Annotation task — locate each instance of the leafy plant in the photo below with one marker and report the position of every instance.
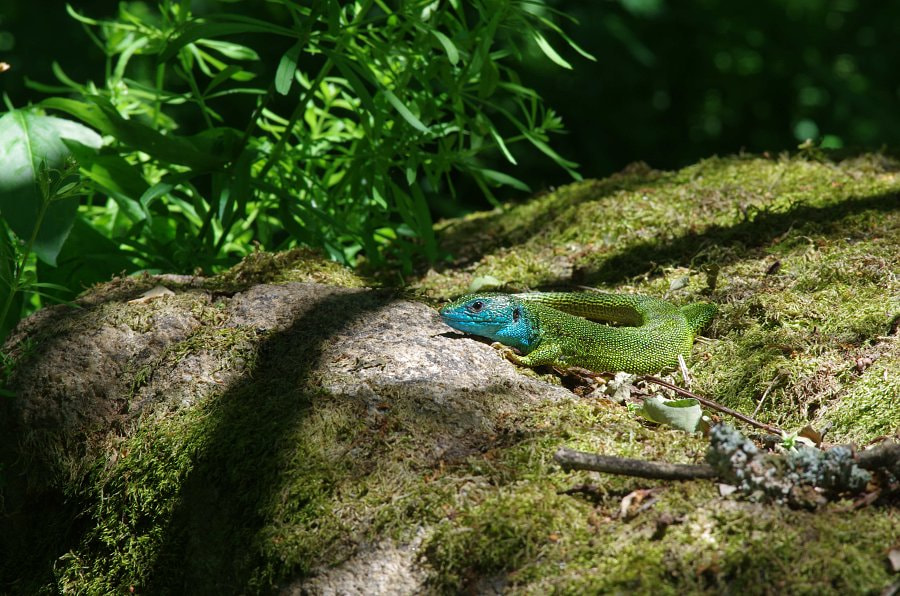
(370, 108)
(39, 186)
(327, 123)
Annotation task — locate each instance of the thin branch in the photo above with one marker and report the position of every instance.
(715, 406)
(886, 455)
(765, 394)
(570, 459)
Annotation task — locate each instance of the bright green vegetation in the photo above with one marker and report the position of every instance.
(275, 477)
(331, 125)
(801, 257)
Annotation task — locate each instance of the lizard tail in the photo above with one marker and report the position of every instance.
(698, 315)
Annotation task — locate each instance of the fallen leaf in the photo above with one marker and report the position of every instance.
(679, 282)
(683, 414)
(484, 282)
(811, 434)
(662, 524)
(152, 294)
(894, 559)
(863, 363)
(636, 502)
(726, 489)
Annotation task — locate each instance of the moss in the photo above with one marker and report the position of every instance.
(710, 549)
(300, 264)
(869, 407)
(272, 478)
(503, 532)
(801, 257)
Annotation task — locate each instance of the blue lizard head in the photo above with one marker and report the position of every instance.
(500, 317)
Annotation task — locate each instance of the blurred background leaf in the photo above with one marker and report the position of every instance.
(673, 81)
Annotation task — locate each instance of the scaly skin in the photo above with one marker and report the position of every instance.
(552, 328)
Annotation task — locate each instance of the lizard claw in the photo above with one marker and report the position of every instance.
(507, 352)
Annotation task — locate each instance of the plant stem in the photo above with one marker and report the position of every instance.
(20, 267)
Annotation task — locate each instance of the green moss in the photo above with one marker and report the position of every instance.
(503, 532)
(272, 479)
(299, 264)
(710, 549)
(869, 408)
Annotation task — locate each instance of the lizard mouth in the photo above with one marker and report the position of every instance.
(465, 322)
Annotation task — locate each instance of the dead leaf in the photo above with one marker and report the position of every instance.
(812, 434)
(637, 501)
(894, 559)
(152, 294)
(863, 363)
(662, 524)
(726, 489)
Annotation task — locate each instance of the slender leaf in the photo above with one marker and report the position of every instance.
(404, 111)
(231, 50)
(114, 177)
(10, 299)
(568, 39)
(452, 52)
(549, 51)
(500, 143)
(505, 179)
(287, 66)
(212, 29)
(168, 148)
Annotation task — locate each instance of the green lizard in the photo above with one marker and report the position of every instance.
(552, 328)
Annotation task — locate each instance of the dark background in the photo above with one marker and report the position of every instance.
(673, 82)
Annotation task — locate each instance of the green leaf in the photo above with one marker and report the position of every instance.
(284, 76)
(28, 142)
(210, 29)
(102, 115)
(549, 152)
(114, 177)
(452, 52)
(404, 111)
(231, 50)
(549, 51)
(500, 143)
(490, 78)
(506, 179)
(88, 257)
(683, 414)
(568, 39)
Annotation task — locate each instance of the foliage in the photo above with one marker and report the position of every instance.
(212, 150)
(39, 187)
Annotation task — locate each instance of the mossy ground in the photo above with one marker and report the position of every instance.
(274, 478)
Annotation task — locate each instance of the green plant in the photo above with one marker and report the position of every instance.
(39, 186)
(363, 115)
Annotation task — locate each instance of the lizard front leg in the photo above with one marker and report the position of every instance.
(546, 353)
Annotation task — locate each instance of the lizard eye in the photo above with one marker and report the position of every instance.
(477, 306)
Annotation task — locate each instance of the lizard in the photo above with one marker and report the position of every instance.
(552, 328)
